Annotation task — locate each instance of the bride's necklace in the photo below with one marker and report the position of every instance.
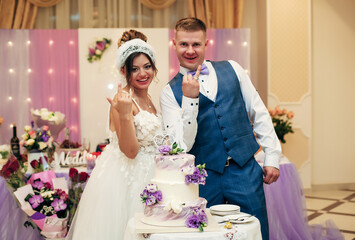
(146, 102)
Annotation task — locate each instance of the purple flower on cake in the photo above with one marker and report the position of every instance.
(151, 195)
(35, 201)
(198, 219)
(164, 149)
(198, 176)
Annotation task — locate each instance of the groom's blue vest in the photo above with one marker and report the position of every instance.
(224, 128)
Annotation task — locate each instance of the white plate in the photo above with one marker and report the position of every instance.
(170, 223)
(224, 213)
(225, 208)
(247, 220)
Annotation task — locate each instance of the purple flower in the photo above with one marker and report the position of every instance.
(45, 136)
(35, 201)
(144, 194)
(58, 204)
(100, 45)
(164, 149)
(38, 185)
(151, 200)
(158, 195)
(193, 221)
(192, 178)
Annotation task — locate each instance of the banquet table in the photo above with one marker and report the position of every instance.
(243, 231)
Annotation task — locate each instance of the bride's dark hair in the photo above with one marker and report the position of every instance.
(129, 35)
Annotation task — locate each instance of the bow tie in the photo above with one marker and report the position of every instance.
(204, 71)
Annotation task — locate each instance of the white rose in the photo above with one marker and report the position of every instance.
(27, 128)
(45, 115)
(4, 148)
(176, 206)
(30, 142)
(188, 170)
(25, 136)
(36, 112)
(43, 110)
(42, 145)
(98, 52)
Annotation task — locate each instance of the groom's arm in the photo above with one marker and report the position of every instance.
(181, 122)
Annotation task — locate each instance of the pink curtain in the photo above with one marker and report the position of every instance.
(39, 69)
(225, 44)
(54, 80)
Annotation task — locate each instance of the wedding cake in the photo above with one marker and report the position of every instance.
(172, 198)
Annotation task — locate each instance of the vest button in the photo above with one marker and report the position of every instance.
(227, 149)
(219, 116)
(216, 106)
(225, 139)
(222, 128)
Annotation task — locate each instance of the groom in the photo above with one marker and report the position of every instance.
(213, 115)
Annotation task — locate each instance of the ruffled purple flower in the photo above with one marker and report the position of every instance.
(164, 149)
(45, 136)
(158, 195)
(198, 176)
(58, 205)
(151, 200)
(192, 179)
(35, 201)
(38, 185)
(192, 221)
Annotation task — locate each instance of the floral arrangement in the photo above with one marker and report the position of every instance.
(38, 165)
(198, 219)
(13, 173)
(195, 175)
(151, 195)
(4, 151)
(281, 118)
(46, 200)
(171, 150)
(76, 188)
(55, 120)
(96, 52)
(37, 139)
(45, 114)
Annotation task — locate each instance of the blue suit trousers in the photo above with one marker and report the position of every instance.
(242, 186)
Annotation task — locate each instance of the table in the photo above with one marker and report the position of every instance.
(286, 203)
(245, 231)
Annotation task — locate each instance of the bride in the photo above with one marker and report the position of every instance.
(111, 196)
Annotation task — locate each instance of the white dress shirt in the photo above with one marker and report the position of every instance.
(181, 122)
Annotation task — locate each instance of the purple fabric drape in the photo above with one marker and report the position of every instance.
(54, 81)
(226, 44)
(12, 218)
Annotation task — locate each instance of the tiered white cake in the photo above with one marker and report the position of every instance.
(178, 180)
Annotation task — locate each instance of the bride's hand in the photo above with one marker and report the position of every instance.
(122, 102)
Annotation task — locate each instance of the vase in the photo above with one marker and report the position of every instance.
(35, 155)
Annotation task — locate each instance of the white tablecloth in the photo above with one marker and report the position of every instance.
(244, 231)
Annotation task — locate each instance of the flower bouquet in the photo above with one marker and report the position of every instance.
(46, 204)
(13, 173)
(281, 118)
(36, 142)
(4, 151)
(56, 121)
(76, 188)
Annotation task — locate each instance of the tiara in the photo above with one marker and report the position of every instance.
(131, 46)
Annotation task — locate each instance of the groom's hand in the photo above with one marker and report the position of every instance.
(271, 174)
(190, 85)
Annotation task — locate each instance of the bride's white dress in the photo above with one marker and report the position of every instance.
(111, 196)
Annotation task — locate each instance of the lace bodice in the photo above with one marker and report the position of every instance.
(147, 126)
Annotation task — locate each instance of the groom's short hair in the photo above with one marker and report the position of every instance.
(190, 24)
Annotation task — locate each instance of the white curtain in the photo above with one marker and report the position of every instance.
(14, 82)
(73, 14)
